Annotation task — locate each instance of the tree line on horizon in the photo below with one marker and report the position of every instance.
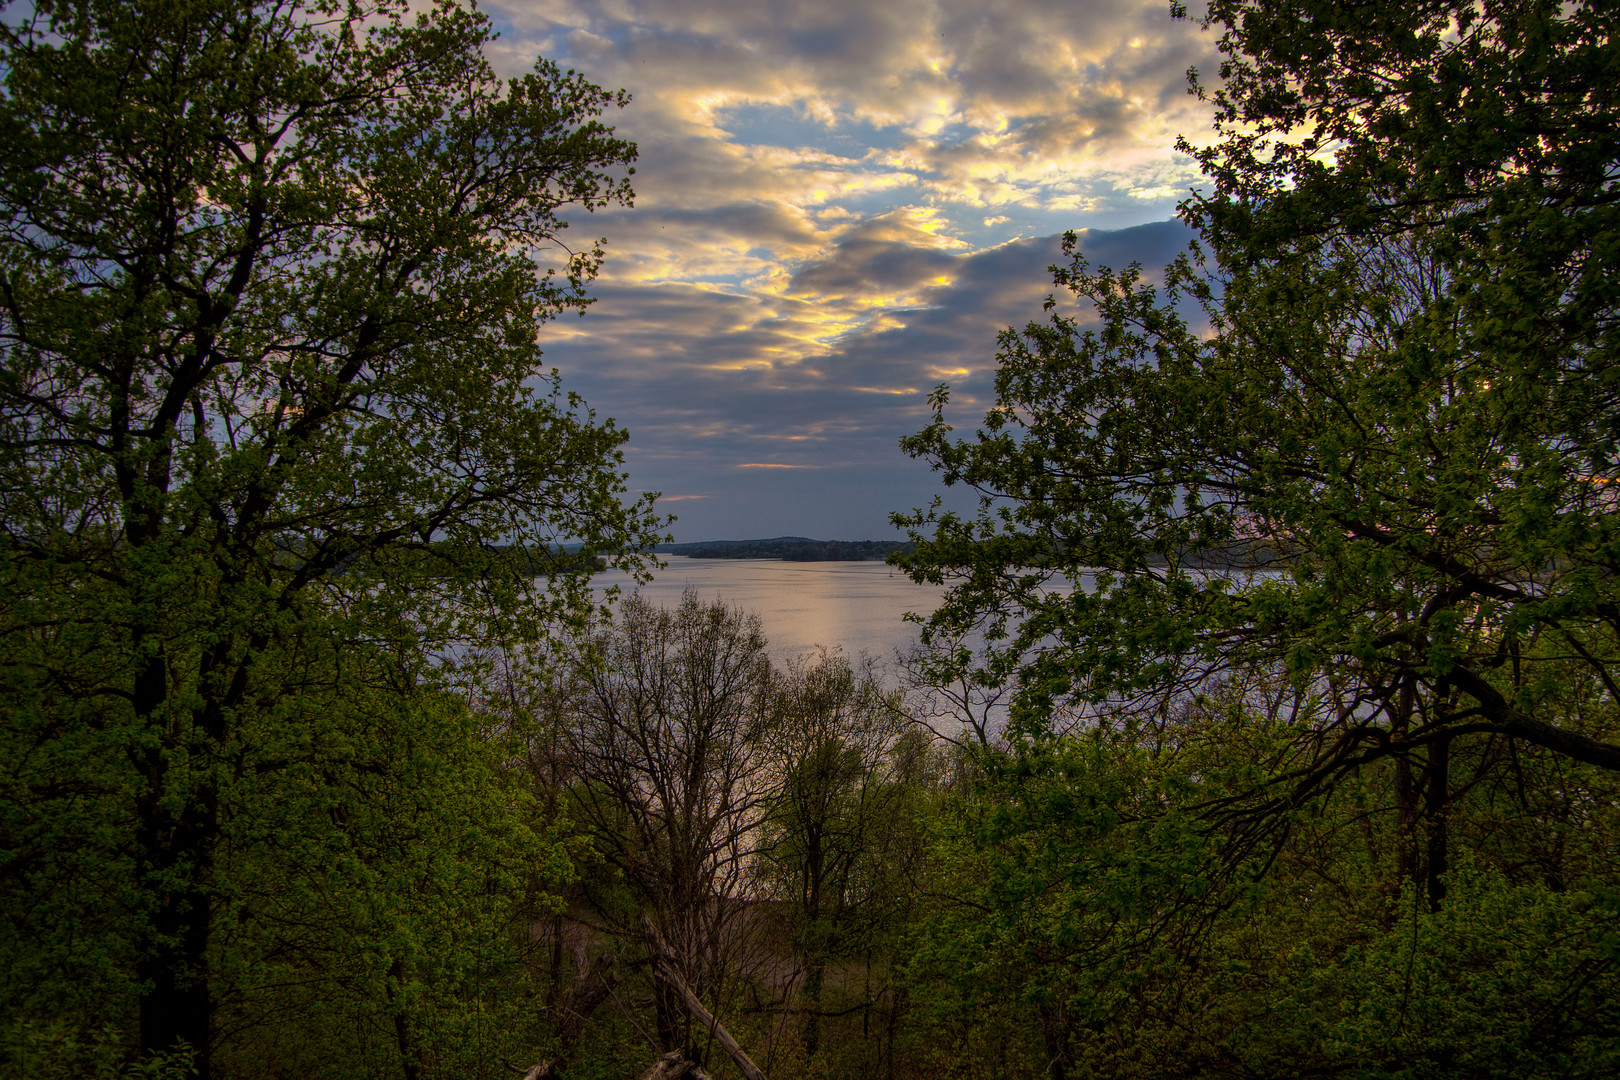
(319, 757)
(792, 549)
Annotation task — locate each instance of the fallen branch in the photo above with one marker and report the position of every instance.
(664, 968)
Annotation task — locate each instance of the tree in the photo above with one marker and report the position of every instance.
(1077, 920)
(1388, 367)
(829, 848)
(270, 419)
(672, 707)
(1317, 532)
(373, 902)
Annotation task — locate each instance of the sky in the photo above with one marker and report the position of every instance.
(839, 204)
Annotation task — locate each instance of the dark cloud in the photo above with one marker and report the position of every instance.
(882, 256)
(689, 373)
(760, 222)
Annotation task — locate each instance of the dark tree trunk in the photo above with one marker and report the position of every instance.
(1406, 797)
(173, 861)
(172, 865)
(402, 1023)
(812, 998)
(175, 1007)
(1439, 786)
(670, 1015)
(1055, 1039)
(592, 986)
(554, 993)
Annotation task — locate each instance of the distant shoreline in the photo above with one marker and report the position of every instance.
(790, 549)
(1238, 555)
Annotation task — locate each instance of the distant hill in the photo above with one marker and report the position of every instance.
(789, 549)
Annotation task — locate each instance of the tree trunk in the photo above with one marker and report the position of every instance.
(402, 1024)
(668, 1016)
(175, 1005)
(1439, 785)
(812, 997)
(1055, 1040)
(173, 861)
(592, 986)
(554, 993)
(1406, 799)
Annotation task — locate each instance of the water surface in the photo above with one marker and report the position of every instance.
(856, 606)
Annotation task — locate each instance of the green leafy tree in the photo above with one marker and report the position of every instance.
(1080, 919)
(1067, 885)
(270, 418)
(832, 848)
(376, 898)
(1341, 481)
(1388, 366)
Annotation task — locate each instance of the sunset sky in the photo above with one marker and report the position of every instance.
(839, 205)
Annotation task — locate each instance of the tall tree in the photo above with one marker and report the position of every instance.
(672, 709)
(830, 848)
(270, 285)
(1389, 367)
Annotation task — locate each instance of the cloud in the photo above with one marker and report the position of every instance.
(961, 102)
(716, 388)
(884, 261)
(839, 205)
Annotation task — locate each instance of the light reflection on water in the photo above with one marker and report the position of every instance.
(856, 606)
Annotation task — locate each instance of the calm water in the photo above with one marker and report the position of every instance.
(857, 606)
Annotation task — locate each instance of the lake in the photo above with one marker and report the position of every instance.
(856, 606)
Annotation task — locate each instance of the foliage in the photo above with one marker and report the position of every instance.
(376, 899)
(274, 448)
(835, 850)
(1394, 371)
(1309, 812)
(1080, 923)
